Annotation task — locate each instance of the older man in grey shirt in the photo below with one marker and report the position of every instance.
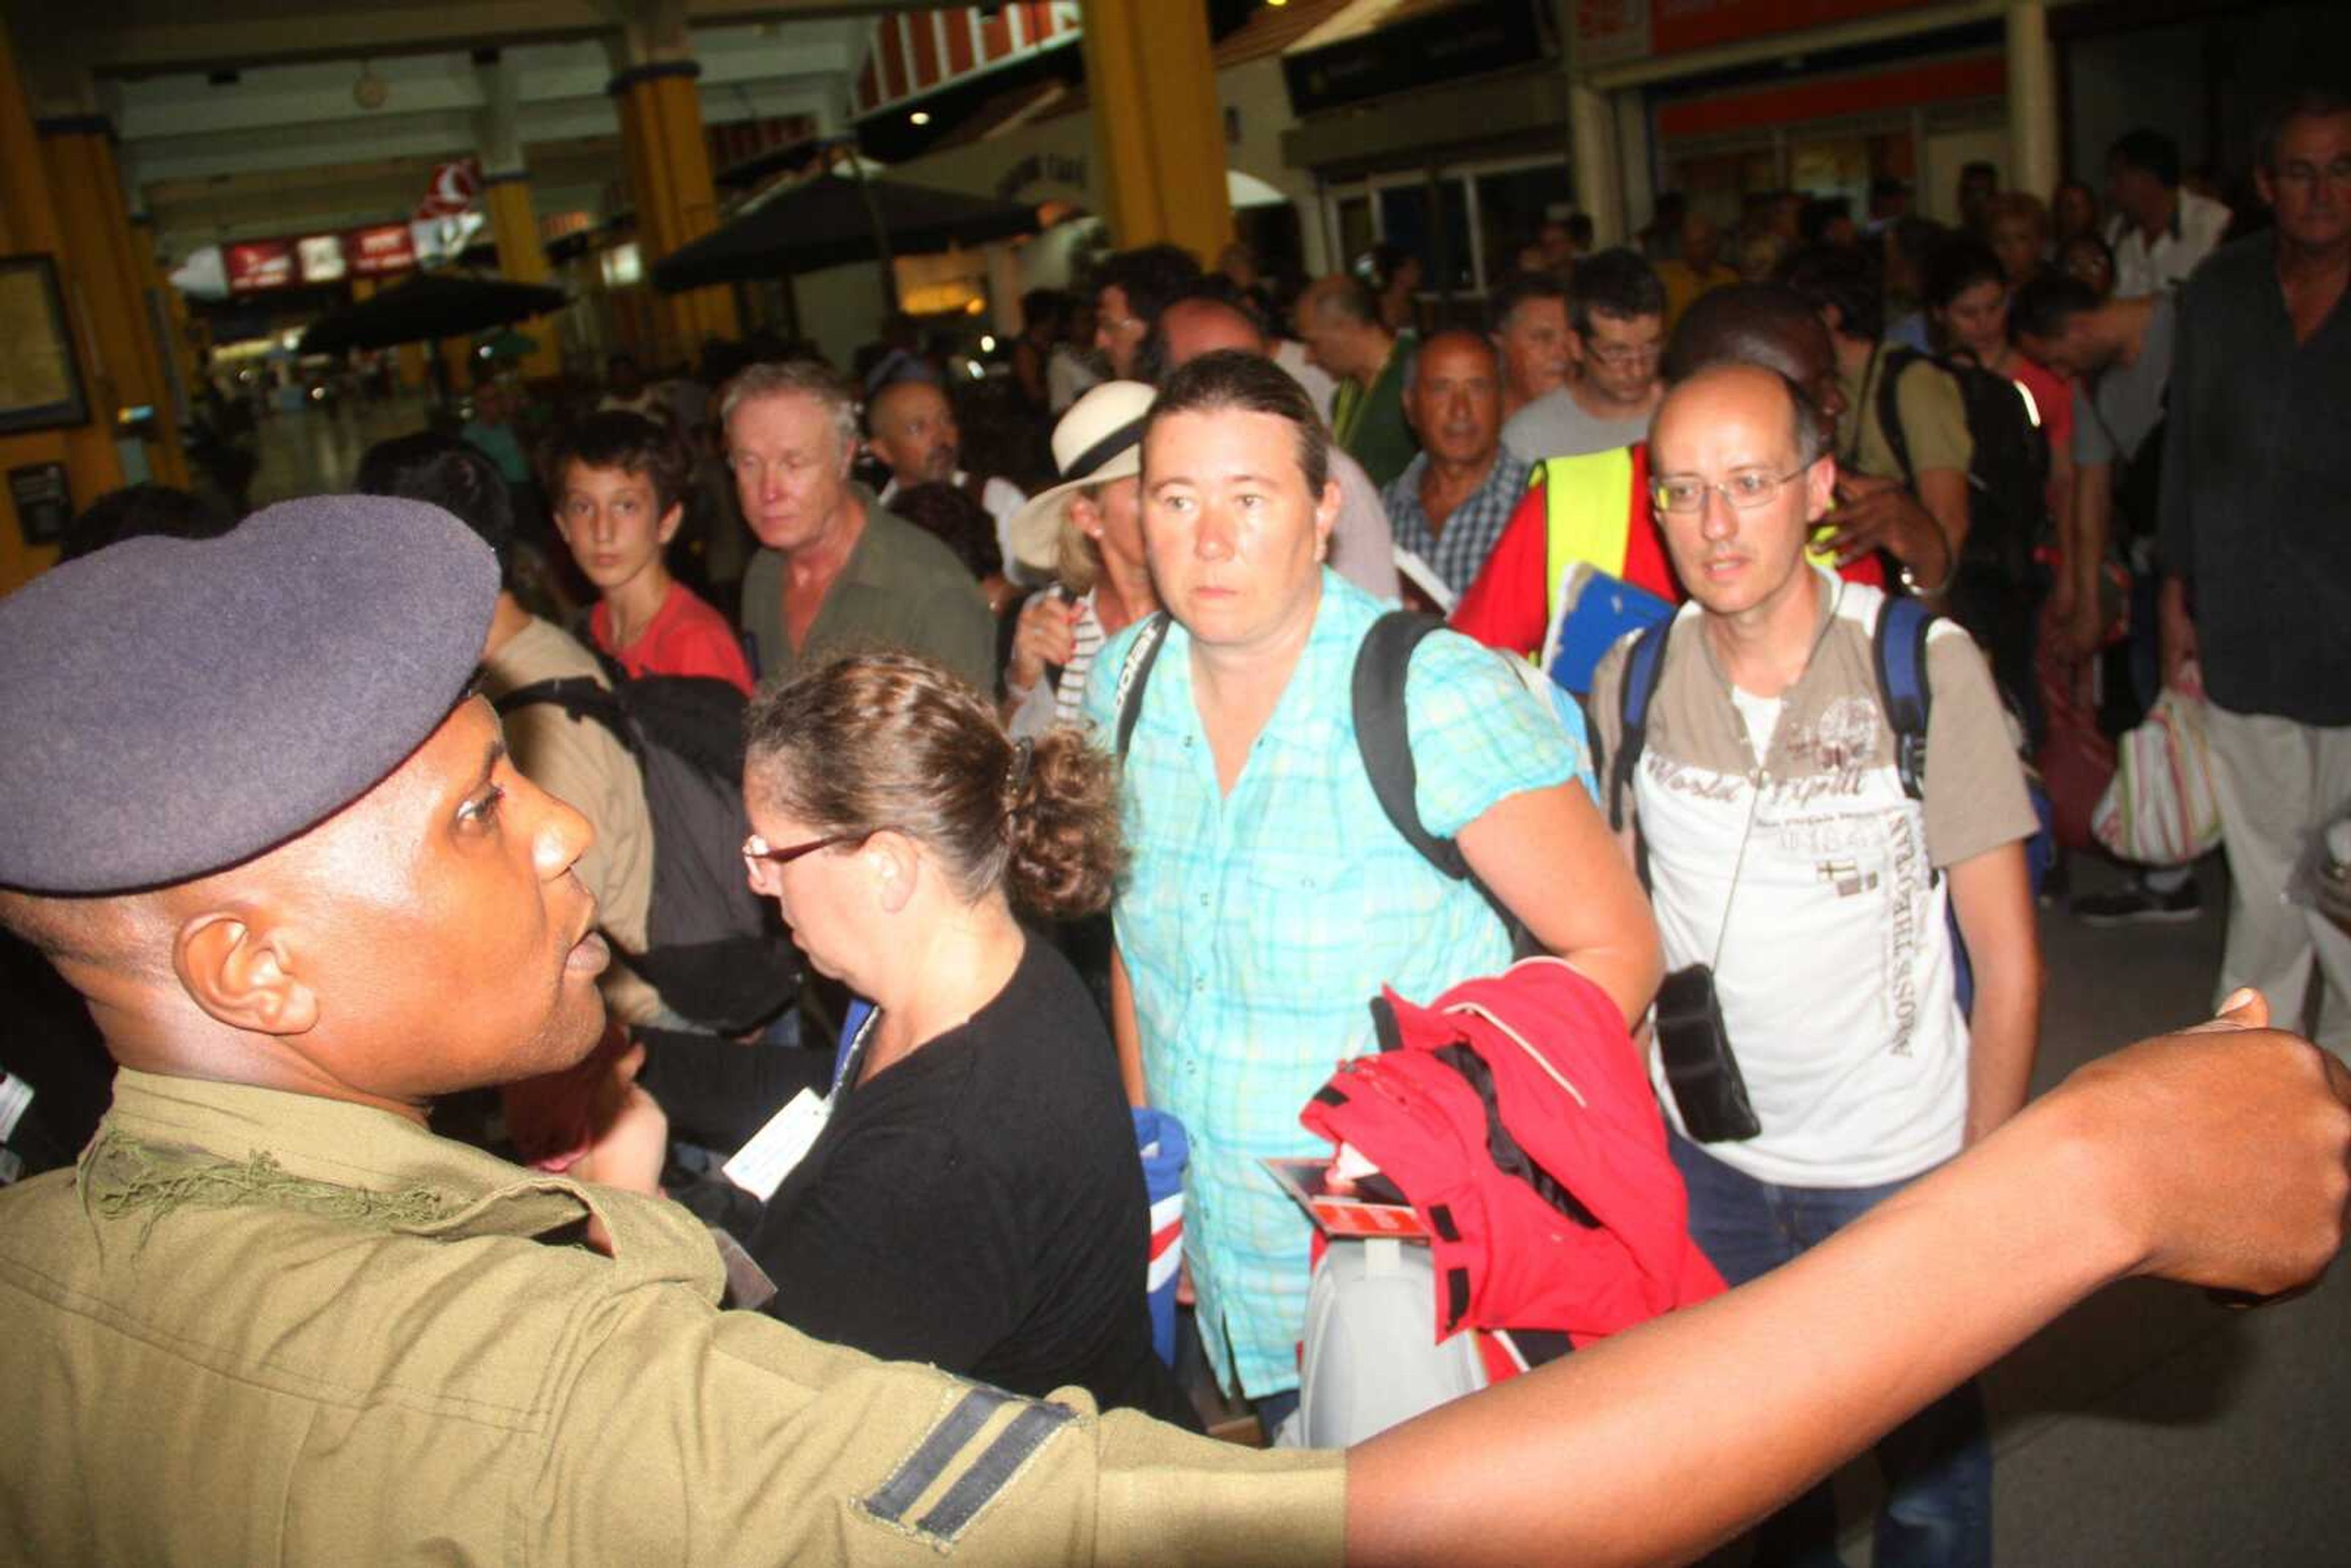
(837, 571)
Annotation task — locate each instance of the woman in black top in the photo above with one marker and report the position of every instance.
(975, 1199)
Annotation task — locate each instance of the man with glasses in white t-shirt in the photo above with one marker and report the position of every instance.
(1785, 852)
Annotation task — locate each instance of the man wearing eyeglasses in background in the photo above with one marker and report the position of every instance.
(1616, 319)
(1783, 852)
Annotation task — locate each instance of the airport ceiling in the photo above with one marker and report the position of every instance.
(238, 119)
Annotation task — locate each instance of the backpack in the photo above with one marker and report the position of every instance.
(2008, 477)
(711, 950)
(1382, 736)
(1898, 652)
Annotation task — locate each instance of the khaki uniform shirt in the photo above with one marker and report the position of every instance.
(582, 764)
(899, 588)
(256, 1327)
(1933, 414)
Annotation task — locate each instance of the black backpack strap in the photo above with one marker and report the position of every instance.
(1384, 738)
(1889, 409)
(1645, 669)
(1899, 651)
(1384, 731)
(581, 696)
(1126, 697)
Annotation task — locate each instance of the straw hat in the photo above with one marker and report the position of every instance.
(1100, 438)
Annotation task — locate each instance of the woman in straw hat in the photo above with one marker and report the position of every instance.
(1088, 532)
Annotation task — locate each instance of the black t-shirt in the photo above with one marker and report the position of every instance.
(979, 1205)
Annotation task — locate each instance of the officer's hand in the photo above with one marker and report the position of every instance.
(1875, 514)
(2225, 1151)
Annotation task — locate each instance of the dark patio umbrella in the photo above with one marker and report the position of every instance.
(832, 220)
(429, 305)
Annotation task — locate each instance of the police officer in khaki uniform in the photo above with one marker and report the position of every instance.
(249, 810)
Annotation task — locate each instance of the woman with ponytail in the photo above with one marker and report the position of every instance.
(974, 1199)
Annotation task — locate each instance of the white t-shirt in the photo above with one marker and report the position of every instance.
(1837, 970)
(2142, 269)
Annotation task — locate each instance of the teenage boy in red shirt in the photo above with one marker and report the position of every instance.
(620, 494)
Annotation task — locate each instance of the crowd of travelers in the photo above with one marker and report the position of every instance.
(959, 790)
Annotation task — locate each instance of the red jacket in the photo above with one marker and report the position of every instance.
(1515, 1117)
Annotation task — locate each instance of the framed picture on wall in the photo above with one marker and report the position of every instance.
(40, 380)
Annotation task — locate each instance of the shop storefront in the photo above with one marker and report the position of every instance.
(1442, 133)
(1919, 117)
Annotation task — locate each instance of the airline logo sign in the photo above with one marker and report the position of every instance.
(454, 188)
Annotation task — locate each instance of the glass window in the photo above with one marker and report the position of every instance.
(1356, 233)
(1453, 200)
(1511, 207)
(1405, 223)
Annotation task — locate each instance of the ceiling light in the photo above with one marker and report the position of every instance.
(370, 90)
(920, 117)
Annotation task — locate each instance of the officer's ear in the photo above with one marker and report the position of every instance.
(239, 968)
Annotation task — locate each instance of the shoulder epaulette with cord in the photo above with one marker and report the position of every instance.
(1383, 738)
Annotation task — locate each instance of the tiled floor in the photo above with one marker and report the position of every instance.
(317, 450)
(2151, 1428)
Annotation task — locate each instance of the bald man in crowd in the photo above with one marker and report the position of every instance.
(271, 1317)
(1339, 321)
(913, 433)
(1450, 504)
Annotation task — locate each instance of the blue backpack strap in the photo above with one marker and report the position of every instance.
(1126, 697)
(1645, 667)
(1899, 650)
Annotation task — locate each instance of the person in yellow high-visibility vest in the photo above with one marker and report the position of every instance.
(1595, 508)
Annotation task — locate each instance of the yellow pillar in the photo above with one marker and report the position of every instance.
(676, 199)
(2031, 99)
(29, 224)
(78, 153)
(408, 367)
(1157, 128)
(514, 224)
(176, 347)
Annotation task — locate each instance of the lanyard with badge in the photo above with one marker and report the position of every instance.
(776, 1150)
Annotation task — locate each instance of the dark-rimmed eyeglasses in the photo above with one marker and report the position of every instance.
(762, 863)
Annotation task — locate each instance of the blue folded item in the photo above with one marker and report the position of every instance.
(1601, 609)
(1166, 1152)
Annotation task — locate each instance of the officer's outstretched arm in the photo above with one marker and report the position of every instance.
(2219, 1159)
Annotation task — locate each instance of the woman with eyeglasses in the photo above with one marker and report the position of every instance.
(972, 1196)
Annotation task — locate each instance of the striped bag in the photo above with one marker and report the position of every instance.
(2161, 809)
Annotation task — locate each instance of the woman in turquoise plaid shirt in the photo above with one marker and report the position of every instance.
(1270, 898)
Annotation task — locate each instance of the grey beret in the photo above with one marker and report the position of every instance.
(170, 706)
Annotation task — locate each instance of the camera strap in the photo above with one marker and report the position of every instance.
(1756, 776)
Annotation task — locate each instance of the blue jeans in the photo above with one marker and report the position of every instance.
(1938, 1464)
